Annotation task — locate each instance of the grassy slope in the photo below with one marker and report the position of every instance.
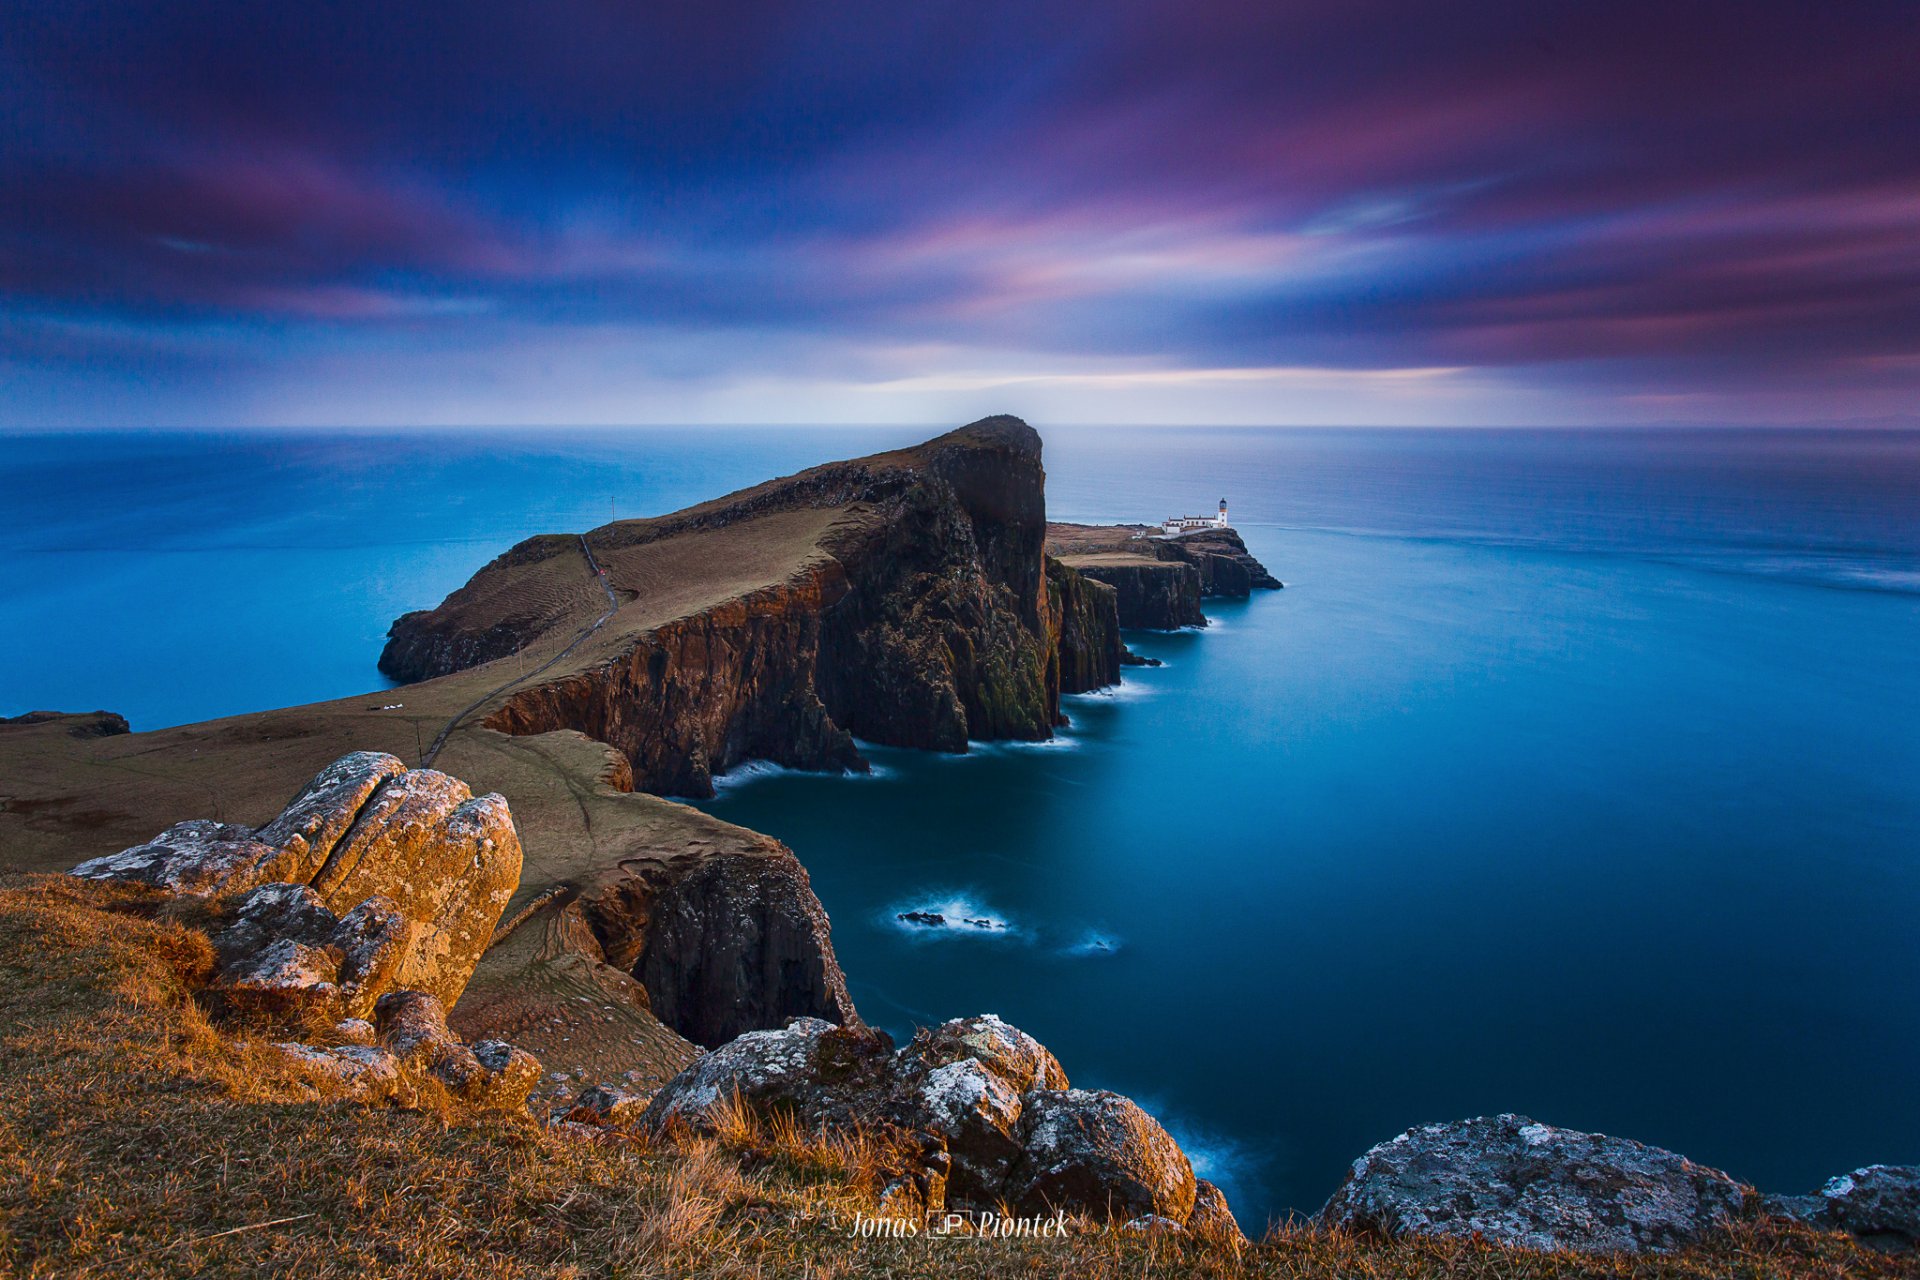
(65, 798)
(136, 1138)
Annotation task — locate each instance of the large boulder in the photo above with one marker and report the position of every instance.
(1517, 1182)
(810, 1067)
(366, 830)
(1019, 1060)
(984, 1105)
(1096, 1152)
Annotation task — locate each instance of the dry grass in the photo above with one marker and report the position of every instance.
(138, 1138)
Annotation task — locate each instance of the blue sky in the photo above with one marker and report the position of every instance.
(1320, 212)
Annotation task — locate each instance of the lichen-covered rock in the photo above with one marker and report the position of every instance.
(810, 1067)
(979, 1116)
(1879, 1203)
(284, 950)
(1517, 1182)
(986, 1103)
(194, 858)
(1098, 1152)
(369, 1074)
(420, 868)
(491, 1073)
(283, 977)
(1010, 1053)
(1211, 1218)
(314, 820)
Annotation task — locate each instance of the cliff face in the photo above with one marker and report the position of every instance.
(917, 610)
(1161, 581)
(1086, 621)
(723, 943)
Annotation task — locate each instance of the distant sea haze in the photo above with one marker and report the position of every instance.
(1574, 773)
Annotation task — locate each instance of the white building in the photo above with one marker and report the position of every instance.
(1187, 524)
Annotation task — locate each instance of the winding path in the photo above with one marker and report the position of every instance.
(613, 606)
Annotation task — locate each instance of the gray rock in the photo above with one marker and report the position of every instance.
(979, 1116)
(821, 1072)
(1010, 1053)
(195, 859)
(1879, 1203)
(1517, 1182)
(1099, 1153)
(284, 977)
(1211, 1218)
(367, 1073)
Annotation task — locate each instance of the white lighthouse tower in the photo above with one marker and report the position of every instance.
(1220, 521)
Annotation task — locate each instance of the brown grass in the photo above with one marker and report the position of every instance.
(137, 1137)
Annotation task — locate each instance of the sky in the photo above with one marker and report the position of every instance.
(1295, 211)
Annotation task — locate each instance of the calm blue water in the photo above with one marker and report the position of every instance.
(1576, 774)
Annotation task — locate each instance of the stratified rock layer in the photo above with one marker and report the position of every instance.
(1517, 1182)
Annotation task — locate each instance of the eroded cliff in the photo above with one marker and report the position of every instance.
(903, 598)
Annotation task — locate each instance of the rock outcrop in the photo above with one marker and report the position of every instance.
(918, 611)
(410, 1031)
(373, 878)
(998, 1120)
(1878, 1204)
(1516, 1182)
(1161, 581)
(722, 942)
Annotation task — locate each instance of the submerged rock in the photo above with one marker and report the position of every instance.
(1517, 1182)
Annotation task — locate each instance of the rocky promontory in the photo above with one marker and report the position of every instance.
(916, 608)
(1160, 581)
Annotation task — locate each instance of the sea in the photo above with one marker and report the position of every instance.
(1573, 773)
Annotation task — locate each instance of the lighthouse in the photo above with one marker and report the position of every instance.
(1220, 521)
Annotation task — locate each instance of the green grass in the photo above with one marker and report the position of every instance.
(137, 1137)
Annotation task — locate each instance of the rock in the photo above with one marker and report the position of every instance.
(420, 868)
(1211, 1218)
(1533, 1186)
(986, 1104)
(315, 819)
(607, 1107)
(355, 1031)
(492, 1073)
(979, 1117)
(1154, 1224)
(284, 977)
(1010, 1053)
(932, 919)
(194, 858)
(1096, 1152)
(1879, 1204)
(820, 1072)
(284, 950)
(369, 1074)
